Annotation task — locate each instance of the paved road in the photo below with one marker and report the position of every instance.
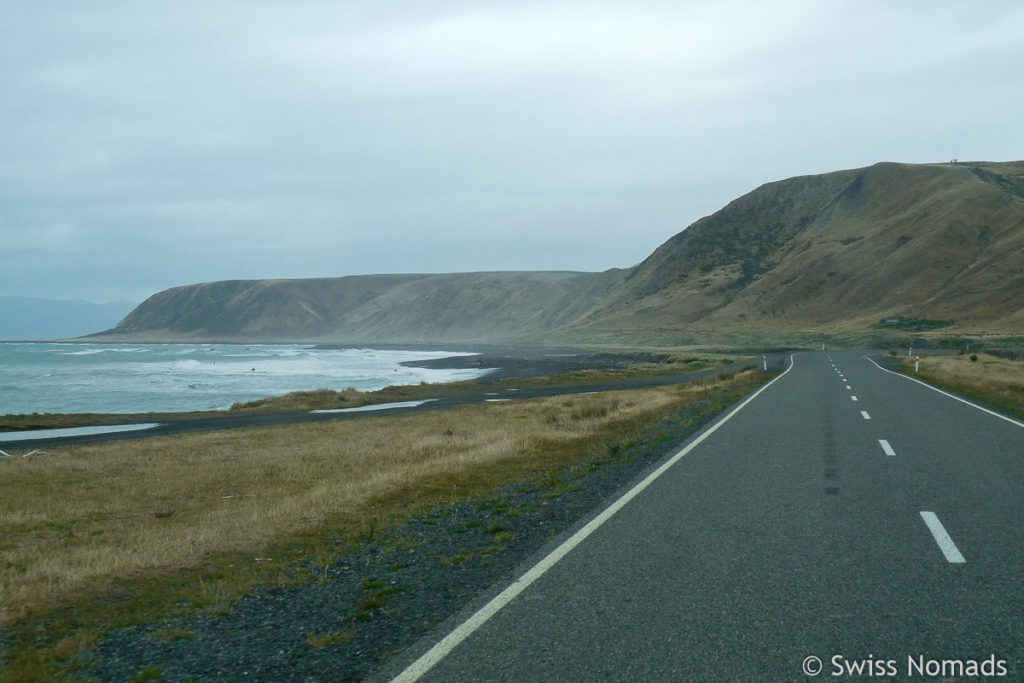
(799, 528)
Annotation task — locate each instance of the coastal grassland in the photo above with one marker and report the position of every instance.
(96, 537)
(669, 363)
(998, 382)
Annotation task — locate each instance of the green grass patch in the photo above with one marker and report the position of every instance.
(150, 673)
(170, 635)
(327, 638)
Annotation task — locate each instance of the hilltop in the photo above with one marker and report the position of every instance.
(932, 244)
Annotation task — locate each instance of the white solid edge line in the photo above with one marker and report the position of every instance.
(441, 650)
(946, 544)
(886, 447)
(944, 393)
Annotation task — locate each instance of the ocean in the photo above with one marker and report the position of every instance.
(135, 378)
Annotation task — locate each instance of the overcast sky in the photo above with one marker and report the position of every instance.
(145, 145)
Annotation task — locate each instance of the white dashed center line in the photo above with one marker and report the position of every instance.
(886, 447)
(865, 415)
(946, 544)
(853, 398)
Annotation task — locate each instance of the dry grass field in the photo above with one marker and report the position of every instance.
(96, 536)
(996, 381)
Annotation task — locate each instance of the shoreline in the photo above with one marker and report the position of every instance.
(161, 372)
(493, 362)
(531, 371)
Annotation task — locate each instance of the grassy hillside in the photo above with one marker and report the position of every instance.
(842, 252)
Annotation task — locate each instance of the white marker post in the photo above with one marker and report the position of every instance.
(917, 363)
(764, 359)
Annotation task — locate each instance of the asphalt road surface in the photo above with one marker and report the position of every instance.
(844, 523)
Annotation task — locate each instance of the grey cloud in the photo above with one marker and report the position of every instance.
(149, 145)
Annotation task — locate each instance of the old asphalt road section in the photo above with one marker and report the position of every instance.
(844, 523)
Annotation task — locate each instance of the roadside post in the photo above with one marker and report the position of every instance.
(764, 359)
(917, 363)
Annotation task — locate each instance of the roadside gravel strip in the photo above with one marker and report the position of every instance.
(358, 613)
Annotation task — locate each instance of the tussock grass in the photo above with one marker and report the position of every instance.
(97, 536)
(996, 381)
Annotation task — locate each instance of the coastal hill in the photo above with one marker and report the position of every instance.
(381, 308)
(907, 244)
(841, 252)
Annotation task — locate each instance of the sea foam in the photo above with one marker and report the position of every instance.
(63, 378)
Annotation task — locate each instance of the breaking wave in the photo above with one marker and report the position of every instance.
(110, 378)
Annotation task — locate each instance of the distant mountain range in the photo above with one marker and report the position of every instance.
(26, 318)
(892, 245)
